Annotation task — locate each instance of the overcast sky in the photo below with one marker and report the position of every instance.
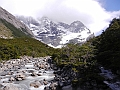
(95, 14)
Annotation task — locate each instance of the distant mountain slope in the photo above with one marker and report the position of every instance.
(57, 34)
(11, 27)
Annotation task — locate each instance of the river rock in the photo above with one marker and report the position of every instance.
(10, 87)
(3, 73)
(45, 82)
(53, 86)
(39, 74)
(9, 73)
(33, 74)
(1, 85)
(23, 71)
(47, 88)
(42, 66)
(5, 81)
(20, 77)
(12, 79)
(35, 84)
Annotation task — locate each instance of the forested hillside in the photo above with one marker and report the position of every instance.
(108, 46)
(14, 48)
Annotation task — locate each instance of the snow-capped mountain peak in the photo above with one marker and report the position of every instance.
(57, 34)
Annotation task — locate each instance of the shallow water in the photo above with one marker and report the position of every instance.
(25, 84)
(110, 77)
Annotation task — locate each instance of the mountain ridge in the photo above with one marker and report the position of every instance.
(56, 34)
(13, 25)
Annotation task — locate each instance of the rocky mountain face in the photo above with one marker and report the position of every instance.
(57, 34)
(8, 22)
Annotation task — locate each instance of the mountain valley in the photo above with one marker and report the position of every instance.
(78, 61)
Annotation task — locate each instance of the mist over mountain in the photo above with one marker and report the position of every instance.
(57, 34)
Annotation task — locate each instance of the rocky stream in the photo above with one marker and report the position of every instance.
(39, 73)
(27, 73)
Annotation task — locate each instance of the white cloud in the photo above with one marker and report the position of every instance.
(90, 12)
